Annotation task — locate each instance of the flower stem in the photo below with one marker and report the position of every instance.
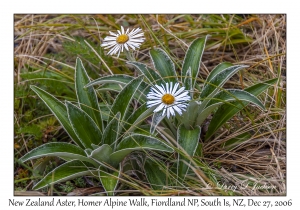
(129, 56)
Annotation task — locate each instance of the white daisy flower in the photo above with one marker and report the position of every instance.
(168, 99)
(117, 42)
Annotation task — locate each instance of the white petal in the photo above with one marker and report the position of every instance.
(111, 33)
(182, 95)
(171, 86)
(108, 38)
(181, 106)
(152, 93)
(179, 91)
(126, 46)
(177, 110)
(117, 48)
(136, 41)
(109, 44)
(153, 104)
(112, 50)
(186, 98)
(161, 89)
(122, 29)
(154, 101)
(158, 91)
(135, 31)
(167, 87)
(131, 46)
(164, 110)
(160, 107)
(137, 35)
(180, 98)
(171, 110)
(168, 113)
(175, 88)
(153, 97)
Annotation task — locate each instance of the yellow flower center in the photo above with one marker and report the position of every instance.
(168, 99)
(122, 38)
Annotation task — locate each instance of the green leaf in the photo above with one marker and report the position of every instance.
(138, 142)
(164, 65)
(156, 119)
(137, 117)
(60, 112)
(66, 171)
(191, 113)
(57, 149)
(188, 83)
(139, 96)
(219, 79)
(111, 131)
(110, 87)
(116, 83)
(225, 96)
(226, 112)
(193, 59)
(150, 74)
(188, 141)
(84, 126)
(155, 175)
(109, 180)
(122, 79)
(102, 153)
(234, 94)
(87, 98)
(257, 89)
(219, 68)
(122, 101)
(94, 146)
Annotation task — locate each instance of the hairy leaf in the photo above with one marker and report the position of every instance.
(218, 80)
(101, 153)
(225, 96)
(66, 171)
(188, 141)
(84, 126)
(193, 59)
(137, 117)
(57, 149)
(122, 101)
(150, 74)
(111, 131)
(60, 112)
(164, 65)
(226, 112)
(138, 142)
(156, 119)
(156, 177)
(109, 180)
(87, 98)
